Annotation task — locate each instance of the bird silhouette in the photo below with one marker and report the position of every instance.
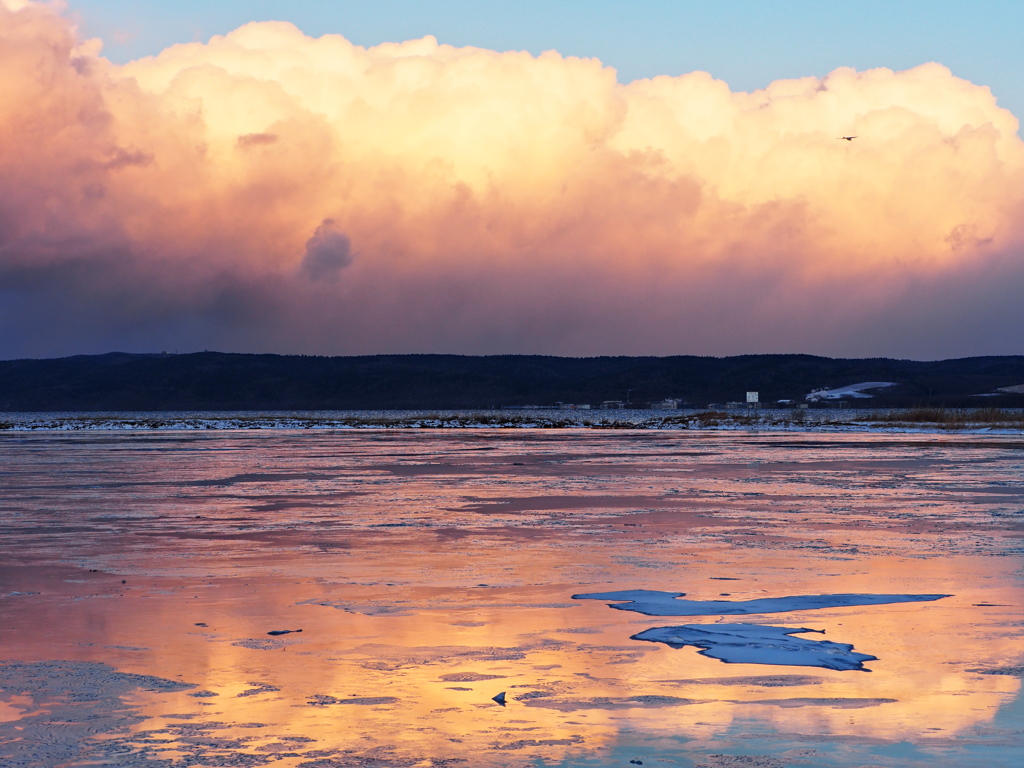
(847, 138)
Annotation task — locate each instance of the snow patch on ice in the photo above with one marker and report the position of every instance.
(652, 602)
(759, 644)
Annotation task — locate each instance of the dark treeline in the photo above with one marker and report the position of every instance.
(218, 381)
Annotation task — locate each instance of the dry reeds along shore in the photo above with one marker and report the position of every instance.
(920, 417)
(951, 418)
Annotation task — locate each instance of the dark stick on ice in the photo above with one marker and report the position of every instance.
(282, 631)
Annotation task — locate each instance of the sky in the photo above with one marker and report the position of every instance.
(746, 43)
(573, 178)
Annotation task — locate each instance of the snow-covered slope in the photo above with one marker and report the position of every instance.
(852, 391)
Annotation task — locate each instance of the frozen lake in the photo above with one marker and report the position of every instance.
(431, 570)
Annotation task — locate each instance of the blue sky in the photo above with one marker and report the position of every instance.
(747, 43)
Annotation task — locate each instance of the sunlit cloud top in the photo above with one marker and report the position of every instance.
(271, 191)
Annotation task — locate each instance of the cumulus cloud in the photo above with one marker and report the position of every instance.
(209, 197)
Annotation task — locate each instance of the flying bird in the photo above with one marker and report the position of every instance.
(847, 138)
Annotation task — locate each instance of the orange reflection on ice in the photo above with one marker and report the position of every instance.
(428, 575)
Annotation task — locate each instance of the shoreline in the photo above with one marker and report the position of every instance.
(958, 421)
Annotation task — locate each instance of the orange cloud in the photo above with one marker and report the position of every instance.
(466, 200)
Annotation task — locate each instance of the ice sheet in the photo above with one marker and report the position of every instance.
(758, 644)
(250, 531)
(652, 602)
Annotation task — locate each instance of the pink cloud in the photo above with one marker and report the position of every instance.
(270, 191)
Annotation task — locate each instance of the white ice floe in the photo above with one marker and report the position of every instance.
(758, 644)
(852, 391)
(652, 602)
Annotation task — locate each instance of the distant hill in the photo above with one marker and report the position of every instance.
(208, 381)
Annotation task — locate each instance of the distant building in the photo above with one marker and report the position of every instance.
(573, 406)
(612, 405)
(668, 404)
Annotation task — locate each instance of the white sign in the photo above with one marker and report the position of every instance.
(751, 397)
